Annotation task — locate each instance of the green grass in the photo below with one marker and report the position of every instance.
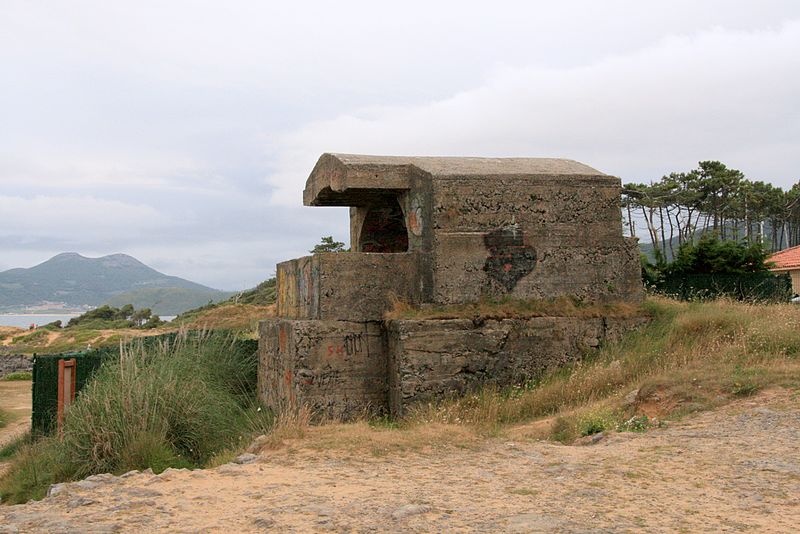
(18, 375)
(9, 450)
(170, 405)
(5, 418)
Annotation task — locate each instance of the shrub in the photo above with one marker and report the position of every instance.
(594, 423)
(637, 423)
(18, 375)
(174, 403)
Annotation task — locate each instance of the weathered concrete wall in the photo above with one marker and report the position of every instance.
(337, 368)
(433, 358)
(12, 363)
(342, 369)
(346, 286)
(531, 237)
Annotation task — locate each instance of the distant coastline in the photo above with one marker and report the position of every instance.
(25, 320)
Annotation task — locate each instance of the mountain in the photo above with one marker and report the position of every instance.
(70, 280)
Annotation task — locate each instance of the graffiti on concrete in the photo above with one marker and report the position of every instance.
(509, 258)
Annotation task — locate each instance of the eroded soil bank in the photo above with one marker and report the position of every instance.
(736, 469)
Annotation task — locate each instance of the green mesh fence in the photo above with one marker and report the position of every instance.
(45, 373)
(750, 287)
(45, 383)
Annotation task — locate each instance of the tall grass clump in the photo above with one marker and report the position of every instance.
(166, 404)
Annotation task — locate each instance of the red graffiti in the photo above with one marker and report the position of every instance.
(338, 350)
(282, 339)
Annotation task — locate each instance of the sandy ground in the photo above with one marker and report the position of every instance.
(736, 469)
(15, 397)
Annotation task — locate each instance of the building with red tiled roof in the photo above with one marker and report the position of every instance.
(788, 260)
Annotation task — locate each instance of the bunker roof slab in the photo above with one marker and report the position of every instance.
(340, 179)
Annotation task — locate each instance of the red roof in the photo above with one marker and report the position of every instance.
(786, 259)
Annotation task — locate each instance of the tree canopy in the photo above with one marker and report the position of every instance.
(327, 244)
(712, 199)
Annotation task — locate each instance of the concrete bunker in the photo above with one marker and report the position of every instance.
(443, 231)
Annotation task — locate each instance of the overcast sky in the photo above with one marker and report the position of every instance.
(182, 132)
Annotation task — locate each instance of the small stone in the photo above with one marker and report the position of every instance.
(409, 510)
(230, 469)
(263, 522)
(631, 397)
(86, 484)
(56, 489)
(142, 492)
(246, 458)
(592, 439)
(258, 444)
(80, 501)
(129, 474)
(101, 477)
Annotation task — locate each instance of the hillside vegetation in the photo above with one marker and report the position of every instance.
(106, 327)
(691, 357)
(168, 300)
(241, 311)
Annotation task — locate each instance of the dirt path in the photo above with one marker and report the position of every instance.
(15, 397)
(737, 469)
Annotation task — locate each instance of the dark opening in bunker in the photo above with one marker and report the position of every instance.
(384, 228)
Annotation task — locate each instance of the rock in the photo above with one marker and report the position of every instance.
(101, 478)
(230, 469)
(57, 489)
(409, 510)
(246, 458)
(129, 474)
(321, 511)
(86, 484)
(263, 522)
(258, 444)
(80, 501)
(142, 492)
(631, 397)
(591, 440)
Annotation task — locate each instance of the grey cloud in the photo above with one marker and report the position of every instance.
(182, 132)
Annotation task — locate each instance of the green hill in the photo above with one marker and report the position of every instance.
(167, 300)
(74, 281)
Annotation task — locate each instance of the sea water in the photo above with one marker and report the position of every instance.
(25, 320)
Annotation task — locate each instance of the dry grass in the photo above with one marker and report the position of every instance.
(232, 317)
(514, 308)
(9, 332)
(289, 425)
(239, 317)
